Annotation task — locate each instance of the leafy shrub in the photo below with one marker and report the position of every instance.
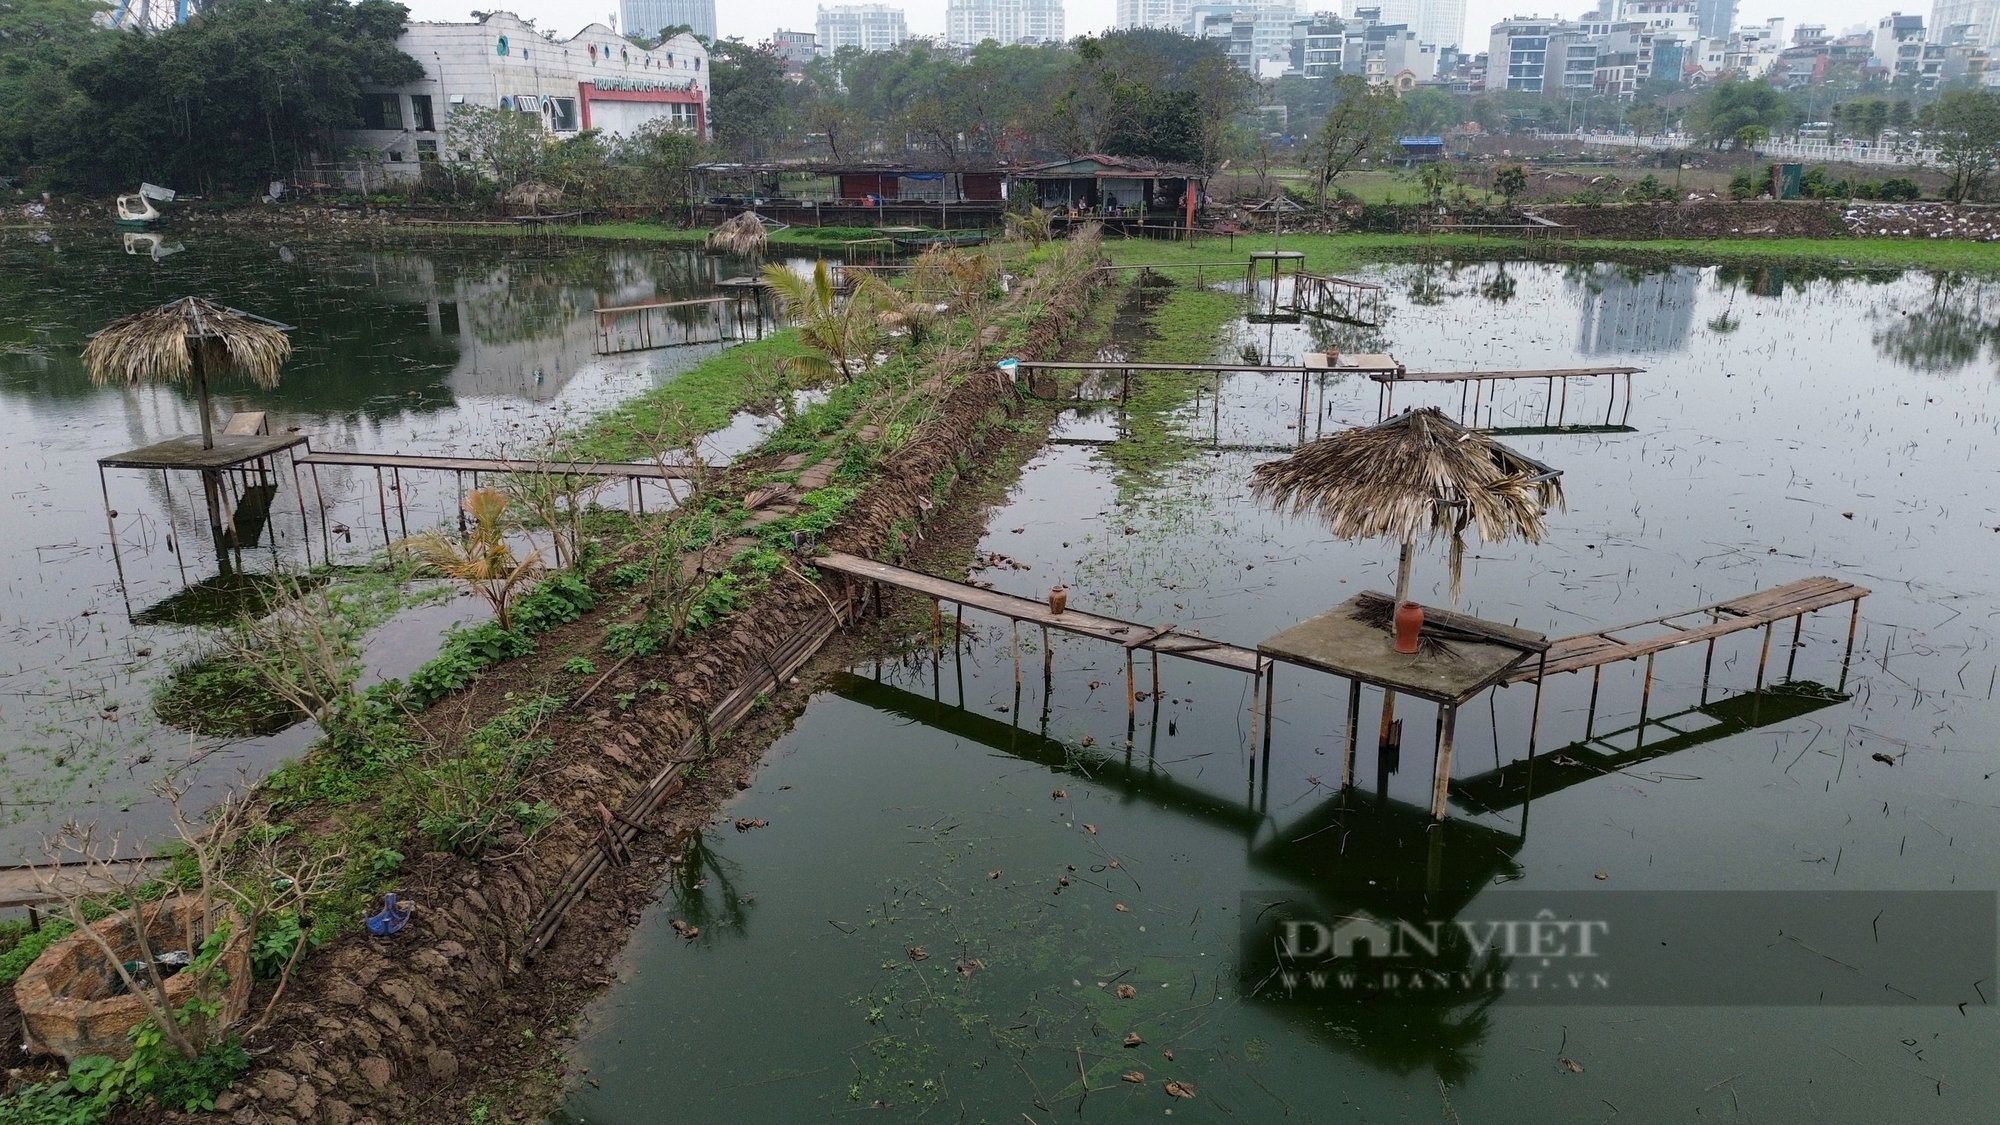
(278, 935)
(1743, 185)
(1901, 188)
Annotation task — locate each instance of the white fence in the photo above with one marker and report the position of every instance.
(1821, 152)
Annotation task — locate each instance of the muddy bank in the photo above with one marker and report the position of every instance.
(402, 1031)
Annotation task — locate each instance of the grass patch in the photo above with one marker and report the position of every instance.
(705, 396)
(1327, 253)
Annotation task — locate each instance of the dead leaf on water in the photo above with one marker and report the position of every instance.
(1059, 794)
(1571, 1065)
(1179, 1090)
(1126, 992)
(1167, 1053)
(1090, 828)
(1134, 1076)
(917, 953)
(993, 874)
(1132, 1039)
(1120, 908)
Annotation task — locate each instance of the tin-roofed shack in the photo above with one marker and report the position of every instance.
(1120, 188)
(856, 194)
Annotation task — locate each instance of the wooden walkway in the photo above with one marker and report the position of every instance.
(1648, 639)
(1763, 609)
(1475, 382)
(1132, 635)
(639, 470)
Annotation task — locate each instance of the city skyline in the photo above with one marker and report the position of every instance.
(756, 22)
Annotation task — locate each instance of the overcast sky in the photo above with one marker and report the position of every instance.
(756, 19)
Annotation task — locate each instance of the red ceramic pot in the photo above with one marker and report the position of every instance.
(1409, 622)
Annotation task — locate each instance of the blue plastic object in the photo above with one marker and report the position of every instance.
(394, 916)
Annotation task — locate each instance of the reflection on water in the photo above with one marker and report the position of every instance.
(933, 806)
(451, 346)
(1629, 309)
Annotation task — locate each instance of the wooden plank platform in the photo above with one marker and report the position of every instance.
(1337, 642)
(1315, 361)
(637, 470)
(1752, 611)
(230, 451)
(1486, 376)
(649, 306)
(1130, 634)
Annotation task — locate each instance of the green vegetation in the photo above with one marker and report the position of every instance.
(245, 91)
(1332, 253)
(225, 689)
(705, 397)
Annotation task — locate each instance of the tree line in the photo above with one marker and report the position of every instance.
(247, 91)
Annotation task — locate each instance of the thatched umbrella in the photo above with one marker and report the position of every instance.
(742, 236)
(1419, 475)
(189, 337)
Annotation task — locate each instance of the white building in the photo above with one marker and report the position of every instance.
(1899, 44)
(1169, 14)
(968, 23)
(1253, 34)
(871, 27)
(594, 80)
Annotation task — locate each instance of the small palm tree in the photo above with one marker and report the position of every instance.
(483, 561)
(840, 327)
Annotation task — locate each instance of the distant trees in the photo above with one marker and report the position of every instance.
(244, 93)
(1734, 106)
(748, 98)
(1965, 127)
(1363, 119)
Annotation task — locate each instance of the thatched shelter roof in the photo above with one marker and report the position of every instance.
(1419, 475)
(161, 345)
(743, 235)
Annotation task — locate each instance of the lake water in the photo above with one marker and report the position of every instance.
(959, 873)
(444, 346)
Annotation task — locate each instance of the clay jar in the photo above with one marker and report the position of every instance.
(1409, 622)
(1058, 599)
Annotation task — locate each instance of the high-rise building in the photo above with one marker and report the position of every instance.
(1441, 23)
(871, 27)
(1253, 34)
(1170, 14)
(647, 18)
(1540, 56)
(968, 23)
(1718, 18)
(1973, 23)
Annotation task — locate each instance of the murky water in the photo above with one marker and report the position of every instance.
(959, 873)
(469, 347)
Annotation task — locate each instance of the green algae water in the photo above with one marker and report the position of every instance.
(968, 898)
(414, 346)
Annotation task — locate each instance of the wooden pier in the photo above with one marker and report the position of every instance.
(1474, 655)
(1337, 298)
(632, 472)
(1764, 609)
(1133, 636)
(1475, 383)
(643, 315)
(1374, 365)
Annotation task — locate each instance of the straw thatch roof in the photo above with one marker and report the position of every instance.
(1417, 476)
(743, 235)
(160, 345)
